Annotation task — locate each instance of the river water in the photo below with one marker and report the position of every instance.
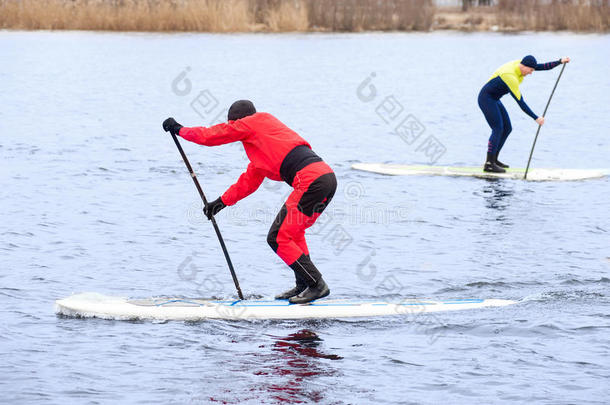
(96, 198)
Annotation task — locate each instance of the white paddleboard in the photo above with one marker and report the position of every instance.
(533, 174)
(94, 305)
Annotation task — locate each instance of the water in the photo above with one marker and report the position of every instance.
(96, 198)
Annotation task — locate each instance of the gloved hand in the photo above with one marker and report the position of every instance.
(170, 125)
(213, 208)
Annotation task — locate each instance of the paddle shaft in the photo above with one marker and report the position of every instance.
(540, 126)
(205, 202)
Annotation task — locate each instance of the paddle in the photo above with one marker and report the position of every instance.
(205, 201)
(540, 126)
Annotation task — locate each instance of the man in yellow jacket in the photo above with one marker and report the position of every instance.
(506, 79)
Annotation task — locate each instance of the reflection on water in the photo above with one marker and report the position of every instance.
(497, 194)
(305, 343)
(295, 361)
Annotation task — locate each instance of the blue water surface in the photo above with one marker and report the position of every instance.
(95, 198)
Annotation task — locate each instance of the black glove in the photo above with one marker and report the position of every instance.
(170, 125)
(213, 208)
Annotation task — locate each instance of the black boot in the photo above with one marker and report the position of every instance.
(299, 288)
(491, 166)
(502, 165)
(316, 287)
(320, 290)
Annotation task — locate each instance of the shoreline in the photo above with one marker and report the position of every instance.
(298, 16)
(338, 33)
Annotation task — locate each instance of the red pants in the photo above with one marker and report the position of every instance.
(314, 187)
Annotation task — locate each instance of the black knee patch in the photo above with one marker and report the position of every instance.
(272, 241)
(275, 228)
(318, 195)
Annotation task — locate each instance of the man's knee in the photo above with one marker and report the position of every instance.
(277, 237)
(498, 129)
(272, 235)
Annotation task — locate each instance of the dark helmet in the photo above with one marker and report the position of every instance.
(241, 109)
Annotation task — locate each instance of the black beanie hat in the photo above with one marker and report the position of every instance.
(529, 61)
(241, 109)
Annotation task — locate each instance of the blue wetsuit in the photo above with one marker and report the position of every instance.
(504, 80)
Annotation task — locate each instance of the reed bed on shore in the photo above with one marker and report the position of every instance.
(301, 15)
(555, 15)
(217, 15)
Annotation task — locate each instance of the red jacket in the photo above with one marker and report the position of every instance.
(266, 140)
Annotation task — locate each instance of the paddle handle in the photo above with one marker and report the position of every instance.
(214, 224)
(540, 126)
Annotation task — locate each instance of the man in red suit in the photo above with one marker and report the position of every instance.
(278, 153)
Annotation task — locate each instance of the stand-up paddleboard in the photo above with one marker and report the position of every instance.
(94, 305)
(533, 174)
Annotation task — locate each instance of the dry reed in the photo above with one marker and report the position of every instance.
(126, 15)
(298, 15)
(554, 15)
(217, 15)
